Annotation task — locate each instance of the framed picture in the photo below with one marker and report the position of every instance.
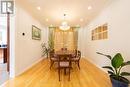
(36, 33)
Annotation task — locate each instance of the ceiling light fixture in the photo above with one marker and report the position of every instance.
(51, 25)
(39, 8)
(64, 25)
(47, 20)
(89, 7)
(81, 20)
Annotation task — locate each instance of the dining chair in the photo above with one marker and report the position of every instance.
(76, 59)
(53, 58)
(64, 64)
(74, 54)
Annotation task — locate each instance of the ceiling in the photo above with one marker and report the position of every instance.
(79, 12)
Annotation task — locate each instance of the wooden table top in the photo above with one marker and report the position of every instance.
(65, 52)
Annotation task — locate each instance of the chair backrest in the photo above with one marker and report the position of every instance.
(65, 58)
(51, 53)
(74, 55)
(78, 54)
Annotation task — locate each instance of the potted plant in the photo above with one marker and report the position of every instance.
(45, 49)
(117, 76)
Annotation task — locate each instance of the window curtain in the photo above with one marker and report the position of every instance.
(51, 37)
(64, 39)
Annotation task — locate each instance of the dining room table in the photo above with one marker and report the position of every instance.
(64, 52)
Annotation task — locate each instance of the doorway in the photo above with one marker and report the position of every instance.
(4, 71)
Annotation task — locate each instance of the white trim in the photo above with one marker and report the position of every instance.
(95, 64)
(30, 66)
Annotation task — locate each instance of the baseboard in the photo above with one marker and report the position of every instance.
(29, 67)
(95, 64)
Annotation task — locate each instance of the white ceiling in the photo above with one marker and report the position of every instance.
(51, 12)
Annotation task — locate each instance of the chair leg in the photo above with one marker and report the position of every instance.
(65, 71)
(69, 74)
(59, 73)
(78, 65)
(71, 63)
(52, 62)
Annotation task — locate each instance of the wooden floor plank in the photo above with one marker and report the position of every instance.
(41, 76)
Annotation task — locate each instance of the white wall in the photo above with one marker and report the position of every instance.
(27, 51)
(12, 45)
(4, 35)
(3, 28)
(117, 15)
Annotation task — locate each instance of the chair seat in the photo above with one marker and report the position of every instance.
(54, 59)
(55, 55)
(74, 59)
(64, 64)
(73, 56)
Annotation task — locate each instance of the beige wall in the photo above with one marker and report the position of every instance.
(117, 15)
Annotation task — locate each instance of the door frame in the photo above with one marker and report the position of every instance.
(8, 41)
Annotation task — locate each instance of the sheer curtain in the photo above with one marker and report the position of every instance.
(65, 39)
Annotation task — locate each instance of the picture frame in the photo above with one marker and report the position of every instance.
(36, 33)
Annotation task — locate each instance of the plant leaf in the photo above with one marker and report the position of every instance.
(126, 63)
(117, 60)
(121, 78)
(44, 53)
(108, 56)
(111, 73)
(108, 67)
(125, 74)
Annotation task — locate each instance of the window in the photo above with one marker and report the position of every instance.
(64, 39)
(99, 33)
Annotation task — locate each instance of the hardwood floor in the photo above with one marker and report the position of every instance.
(40, 75)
